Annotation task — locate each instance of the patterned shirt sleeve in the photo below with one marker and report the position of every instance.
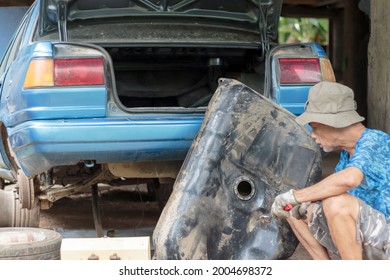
(372, 157)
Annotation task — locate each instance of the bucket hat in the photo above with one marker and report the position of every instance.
(332, 104)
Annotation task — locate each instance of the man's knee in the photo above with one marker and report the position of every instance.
(341, 205)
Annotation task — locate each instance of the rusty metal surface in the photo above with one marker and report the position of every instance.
(247, 151)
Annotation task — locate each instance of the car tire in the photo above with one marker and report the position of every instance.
(29, 244)
(12, 213)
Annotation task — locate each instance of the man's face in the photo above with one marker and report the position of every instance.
(324, 136)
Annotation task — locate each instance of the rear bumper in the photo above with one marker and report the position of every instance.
(40, 145)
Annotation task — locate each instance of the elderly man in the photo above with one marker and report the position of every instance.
(346, 212)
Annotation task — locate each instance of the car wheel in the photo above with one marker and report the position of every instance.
(13, 215)
(29, 244)
(26, 187)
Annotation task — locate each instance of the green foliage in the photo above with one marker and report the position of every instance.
(298, 30)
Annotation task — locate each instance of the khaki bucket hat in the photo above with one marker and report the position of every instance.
(331, 104)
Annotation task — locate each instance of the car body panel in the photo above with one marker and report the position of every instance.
(293, 99)
(58, 104)
(247, 151)
(47, 102)
(137, 138)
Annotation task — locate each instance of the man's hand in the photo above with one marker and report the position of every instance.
(281, 201)
(299, 211)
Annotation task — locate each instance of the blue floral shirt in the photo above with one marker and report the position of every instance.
(372, 157)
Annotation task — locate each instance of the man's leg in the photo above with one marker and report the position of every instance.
(306, 238)
(341, 213)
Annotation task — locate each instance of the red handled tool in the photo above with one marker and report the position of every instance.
(288, 207)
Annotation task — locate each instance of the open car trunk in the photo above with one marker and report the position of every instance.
(184, 77)
(169, 54)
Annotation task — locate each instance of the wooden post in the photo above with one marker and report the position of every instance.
(356, 36)
(378, 98)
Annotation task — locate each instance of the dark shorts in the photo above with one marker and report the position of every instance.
(373, 232)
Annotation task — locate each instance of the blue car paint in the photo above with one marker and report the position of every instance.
(58, 103)
(46, 103)
(293, 98)
(63, 142)
(317, 49)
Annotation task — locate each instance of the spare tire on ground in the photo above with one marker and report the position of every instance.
(19, 243)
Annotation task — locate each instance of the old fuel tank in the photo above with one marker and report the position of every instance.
(248, 150)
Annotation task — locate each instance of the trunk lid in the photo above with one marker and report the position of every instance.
(258, 16)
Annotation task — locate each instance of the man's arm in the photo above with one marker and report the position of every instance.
(335, 184)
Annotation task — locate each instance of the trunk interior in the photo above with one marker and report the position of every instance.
(180, 76)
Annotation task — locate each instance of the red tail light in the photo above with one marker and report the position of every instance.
(78, 72)
(300, 70)
(47, 72)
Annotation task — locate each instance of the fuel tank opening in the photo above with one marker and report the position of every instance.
(244, 188)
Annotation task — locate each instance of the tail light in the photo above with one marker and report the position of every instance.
(39, 74)
(304, 70)
(65, 72)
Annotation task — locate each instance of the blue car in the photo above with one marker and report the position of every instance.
(115, 91)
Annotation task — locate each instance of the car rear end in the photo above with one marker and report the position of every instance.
(116, 91)
(69, 114)
(111, 92)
